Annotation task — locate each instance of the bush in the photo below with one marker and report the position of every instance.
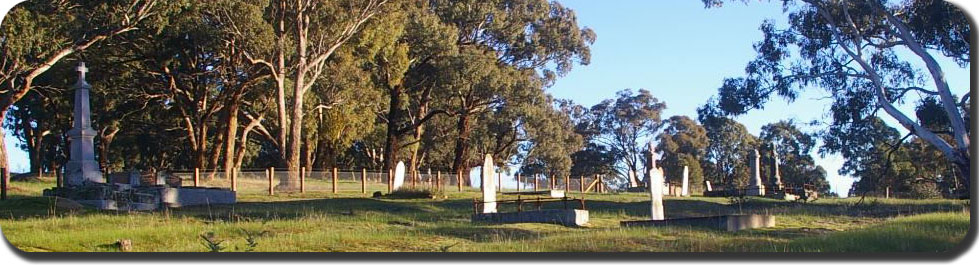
(415, 193)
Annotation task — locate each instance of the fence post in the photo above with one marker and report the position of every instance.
(271, 174)
(234, 179)
(4, 181)
(499, 181)
(302, 180)
(363, 180)
(581, 183)
(567, 184)
(197, 177)
(390, 179)
(459, 179)
(438, 180)
(536, 182)
(518, 182)
(58, 177)
(601, 184)
(334, 180)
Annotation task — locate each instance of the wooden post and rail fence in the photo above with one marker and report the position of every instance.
(433, 181)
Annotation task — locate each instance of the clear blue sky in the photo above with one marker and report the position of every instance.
(681, 52)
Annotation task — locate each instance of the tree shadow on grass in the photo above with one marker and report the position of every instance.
(407, 210)
(484, 234)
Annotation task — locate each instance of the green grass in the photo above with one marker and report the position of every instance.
(351, 221)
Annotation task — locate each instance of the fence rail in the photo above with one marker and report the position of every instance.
(322, 180)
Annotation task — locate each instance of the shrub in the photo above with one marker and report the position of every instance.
(415, 193)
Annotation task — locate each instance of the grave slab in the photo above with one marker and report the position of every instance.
(729, 223)
(182, 197)
(569, 217)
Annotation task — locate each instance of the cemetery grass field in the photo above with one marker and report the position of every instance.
(320, 221)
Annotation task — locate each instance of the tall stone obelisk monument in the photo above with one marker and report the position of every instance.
(82, 167)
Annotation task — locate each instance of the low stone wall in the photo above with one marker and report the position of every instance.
(570, 217)
(727, 222)
(124, 197)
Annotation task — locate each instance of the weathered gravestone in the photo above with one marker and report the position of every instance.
(776, 175)
(399, 175)
(757, 188)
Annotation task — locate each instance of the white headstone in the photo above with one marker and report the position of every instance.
(399, 175)
(776, 174)
(686, 181)
(709, 188)
(82, 167)
(488, 185)
(656, 195)
(756, 188)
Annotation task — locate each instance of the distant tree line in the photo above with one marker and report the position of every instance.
(434, 83)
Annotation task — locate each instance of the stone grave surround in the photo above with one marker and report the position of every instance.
(658, 217)
(399, 176)
(489, 213)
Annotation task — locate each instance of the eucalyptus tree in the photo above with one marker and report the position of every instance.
(624, 124)
(853, 49)
(36, 35)
(293, 41)
(400, 50)
(340, 115)
(520, 34)
(794, 148)
(683, 142)
(549, 145)
(727, 160)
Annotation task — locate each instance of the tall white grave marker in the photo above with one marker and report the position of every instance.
(656, 182)
(489, 185)
(656, 193)
(82, 167)
(686, 182)
(399, 175)
(756, 188)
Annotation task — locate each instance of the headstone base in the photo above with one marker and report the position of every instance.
(570, 217)
(755, 191)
